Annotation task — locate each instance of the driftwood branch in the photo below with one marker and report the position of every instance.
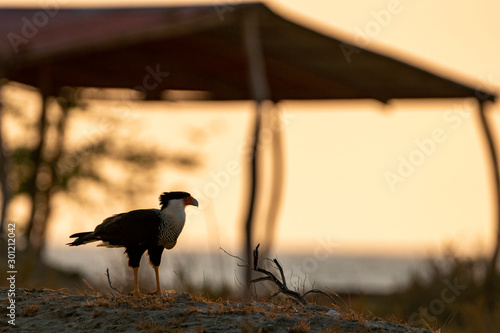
(282, 288)
(281, 271)
(280, 284)
(317, 291)
(110, 285)
(233, 256)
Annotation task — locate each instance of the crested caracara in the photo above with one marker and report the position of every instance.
(141, 230)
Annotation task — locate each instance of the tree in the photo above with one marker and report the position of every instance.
(50, 167)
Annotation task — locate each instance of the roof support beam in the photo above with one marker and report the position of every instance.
(3, 158)
(260, 91)
(489, 283)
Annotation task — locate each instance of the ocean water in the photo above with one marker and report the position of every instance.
(339, 273)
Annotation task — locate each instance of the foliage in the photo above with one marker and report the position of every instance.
(447, 297)
(43, 163)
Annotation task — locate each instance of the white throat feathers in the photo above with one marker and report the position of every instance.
(173, 218)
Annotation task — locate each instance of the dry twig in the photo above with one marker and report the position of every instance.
(281, 284)
(110, 285)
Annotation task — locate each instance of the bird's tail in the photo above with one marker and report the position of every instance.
(83, 238)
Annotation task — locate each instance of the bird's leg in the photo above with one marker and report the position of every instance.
(158, 288)
(136, 293)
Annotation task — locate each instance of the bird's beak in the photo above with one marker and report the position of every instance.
(191, 201)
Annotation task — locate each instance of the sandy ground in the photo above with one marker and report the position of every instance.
(43, 310)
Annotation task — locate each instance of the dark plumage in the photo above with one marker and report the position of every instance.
(141, 230)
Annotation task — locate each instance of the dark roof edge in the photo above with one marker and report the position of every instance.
(480, 93)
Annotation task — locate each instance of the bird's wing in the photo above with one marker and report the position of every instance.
(138, 227)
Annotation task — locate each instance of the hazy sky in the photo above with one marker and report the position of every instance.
(340, 155)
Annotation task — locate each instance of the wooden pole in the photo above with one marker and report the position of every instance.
(489, 283)
(277, 178)
(3, 158)
(260, 91)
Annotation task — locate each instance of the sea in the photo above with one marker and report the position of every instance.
(181, 270)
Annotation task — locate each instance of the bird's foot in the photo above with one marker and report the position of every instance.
(156, 292)
(136, 294)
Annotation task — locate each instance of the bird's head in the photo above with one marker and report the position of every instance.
(167, 198)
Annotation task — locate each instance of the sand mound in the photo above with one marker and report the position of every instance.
(43, 310)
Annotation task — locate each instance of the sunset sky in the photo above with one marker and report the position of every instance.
(341, 155)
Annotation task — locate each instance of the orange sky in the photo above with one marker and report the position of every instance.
(339, 154)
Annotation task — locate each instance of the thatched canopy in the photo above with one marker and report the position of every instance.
(200, 47)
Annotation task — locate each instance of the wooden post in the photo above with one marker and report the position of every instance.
(489, 282)
(3, 158)
(277, 178)
(260, 91)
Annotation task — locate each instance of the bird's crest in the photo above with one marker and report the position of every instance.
(167, 196)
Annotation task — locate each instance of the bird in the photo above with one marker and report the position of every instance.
(143, 229)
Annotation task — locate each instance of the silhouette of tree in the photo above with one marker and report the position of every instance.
(50, 167)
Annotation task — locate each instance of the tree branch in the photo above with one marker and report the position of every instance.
(281, 285)
(281, 271)
(317, 291)
(110, 285)
(233, 256)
